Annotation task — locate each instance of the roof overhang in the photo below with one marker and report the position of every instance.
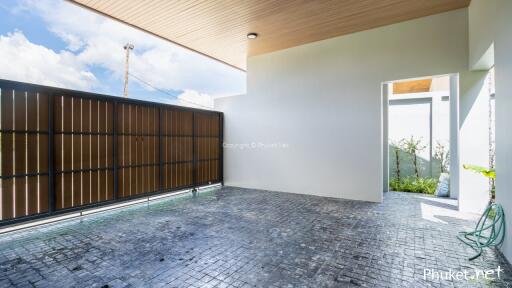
(218, 29)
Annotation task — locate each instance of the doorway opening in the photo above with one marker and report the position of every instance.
(418, 139)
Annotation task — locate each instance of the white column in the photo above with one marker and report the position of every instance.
(454, 136)
(474, 140)
(386, 91)
(503, 60)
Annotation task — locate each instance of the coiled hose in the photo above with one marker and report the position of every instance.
(489, 231)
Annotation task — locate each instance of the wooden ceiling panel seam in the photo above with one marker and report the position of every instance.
(93, 2)
(133, 11)
(115, 6)
(106, 5)
(172, 22)
(139, 8)
(143, 11)
(202, 21)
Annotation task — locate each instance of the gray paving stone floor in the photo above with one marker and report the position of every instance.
(234, 237)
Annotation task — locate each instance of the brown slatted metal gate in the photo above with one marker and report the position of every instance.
(63, 150)
(83, 137)
(23, 154)
(177, 149)
(138, 149)
(207, 143)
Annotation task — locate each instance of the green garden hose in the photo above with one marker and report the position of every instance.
(489, 231)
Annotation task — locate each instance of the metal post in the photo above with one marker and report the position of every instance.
(194, 158)
(160, 145)
(221, 148)
(127, 47)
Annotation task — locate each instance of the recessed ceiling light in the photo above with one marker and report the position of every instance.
(252, 36)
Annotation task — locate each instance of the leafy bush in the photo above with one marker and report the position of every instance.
(413, 184)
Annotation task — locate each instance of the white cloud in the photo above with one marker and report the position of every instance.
(74, 43)
(22, 60)
(98, 41)
(191, 97)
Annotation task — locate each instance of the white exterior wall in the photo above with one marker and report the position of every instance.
(324, 101)
(411, 117)
(481, 34)
(490, 44)
(474, 106)
(503, 60)
(474, 141)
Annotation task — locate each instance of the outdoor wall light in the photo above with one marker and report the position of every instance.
(252, 35)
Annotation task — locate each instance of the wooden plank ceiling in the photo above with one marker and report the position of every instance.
(218, 28)
(414, 86)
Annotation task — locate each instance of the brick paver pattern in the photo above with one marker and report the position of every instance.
(234, 237)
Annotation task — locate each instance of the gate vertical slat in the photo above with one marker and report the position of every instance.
(114, 150)
(51, 158)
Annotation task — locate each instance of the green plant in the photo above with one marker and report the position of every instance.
(489, 173)
(413, 147)
(486, 172)
(413, 184)
(442, 155)
(396, 150)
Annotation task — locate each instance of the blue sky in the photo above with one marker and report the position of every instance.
(56, 43)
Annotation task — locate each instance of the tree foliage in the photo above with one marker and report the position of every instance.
(414, 146)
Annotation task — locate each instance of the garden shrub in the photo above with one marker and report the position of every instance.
(413, 184)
